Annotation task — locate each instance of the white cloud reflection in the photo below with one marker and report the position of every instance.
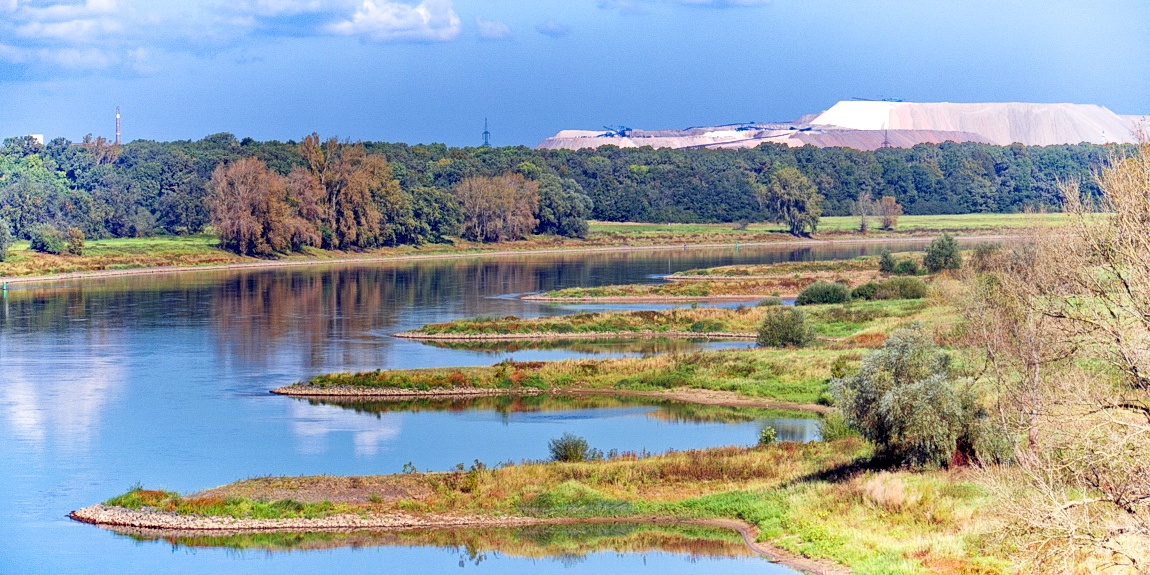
(313, 424)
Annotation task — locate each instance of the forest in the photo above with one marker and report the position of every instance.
(148, 188)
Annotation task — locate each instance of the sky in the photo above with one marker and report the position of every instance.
(432, 70)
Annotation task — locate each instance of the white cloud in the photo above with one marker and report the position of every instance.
(553, 29)
(492, 29)
(381, 20)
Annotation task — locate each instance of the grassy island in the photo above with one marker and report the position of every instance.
(790, 496)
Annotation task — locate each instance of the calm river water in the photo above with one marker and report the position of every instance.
(163, 380)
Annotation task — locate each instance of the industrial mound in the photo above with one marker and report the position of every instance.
(869, 125)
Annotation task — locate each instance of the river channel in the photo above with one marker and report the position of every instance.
(163, 380)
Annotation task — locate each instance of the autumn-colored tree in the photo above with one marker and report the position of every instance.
(252, 212)
(889, 210)
(498, 209)
(351, 196)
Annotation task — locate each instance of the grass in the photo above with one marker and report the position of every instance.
(202, 250)
(237, 507)
(820, 500)
(835, 321)
(120, 253)
(834, 225)
(682, 320)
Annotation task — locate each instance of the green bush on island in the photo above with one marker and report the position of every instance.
(572, 448)
(907, 267)
(942, 254)
(824, 292)
(893, 288)
(783, 327)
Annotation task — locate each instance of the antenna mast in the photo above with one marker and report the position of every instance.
(486, 135)
(117, 125)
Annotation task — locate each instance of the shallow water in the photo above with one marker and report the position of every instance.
(163, 380)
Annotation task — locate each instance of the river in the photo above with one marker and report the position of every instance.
(163, 380)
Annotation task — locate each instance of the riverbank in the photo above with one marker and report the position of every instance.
(156, 255)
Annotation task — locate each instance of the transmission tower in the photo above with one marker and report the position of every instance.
(117, 125)
(486, 135)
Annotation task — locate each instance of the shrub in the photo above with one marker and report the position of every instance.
(865, 291)
(900, 288)
(907, 267)
(942, 254)
(47, 239)
(768, 436)
(75, 245)
(706, 326)
(834, 426)
(572, 448)
(824, 292)
(5, 240)
(886, 262)
(771, 301)
(785, 327)
(904, 399)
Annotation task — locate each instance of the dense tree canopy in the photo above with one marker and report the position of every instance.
(381, 194)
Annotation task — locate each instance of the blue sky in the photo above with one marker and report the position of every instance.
(430, 71)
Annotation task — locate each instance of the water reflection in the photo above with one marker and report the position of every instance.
(66, 407)
(565, 544)
(789, 424)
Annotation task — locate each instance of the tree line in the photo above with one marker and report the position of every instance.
(417, 192)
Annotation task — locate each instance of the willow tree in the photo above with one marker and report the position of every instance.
(252, 212)
(791, 199)
(497, 209)
(351, 196)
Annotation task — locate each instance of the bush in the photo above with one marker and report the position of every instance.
(909, 288)
(907, 267)
(768, 436)
(785, 327)
(47, 239)
(904, 399)
(886, 262)
(824, 292)
(75, 245)
(572, 448)
(771, 301)
(865, 291)
(834, 426)
(5, 239)
(893, 288)
(942, 254)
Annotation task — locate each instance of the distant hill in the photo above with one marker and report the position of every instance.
(870, 125)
